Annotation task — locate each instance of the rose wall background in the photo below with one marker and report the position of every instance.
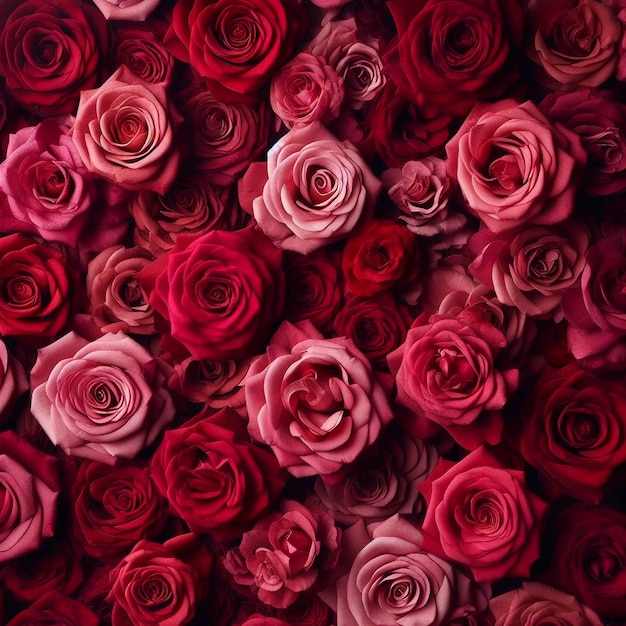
(312, 312)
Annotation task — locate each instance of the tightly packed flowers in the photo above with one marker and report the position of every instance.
(312, 312)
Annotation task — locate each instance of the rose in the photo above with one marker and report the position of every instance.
(393, 580)
(37, 288)
(447, 372)
(13, 382)
(306, 90)
(114, 508)
(54, 567)
(307, 610)
(263, 620)
(513, 166)
(575, 42)
(454, 53)
(142, 52)
(573, 430)
(125, 132)
(236, 45)
(316, 402)
(482, 515)
(103, 399)
(316, 190)
(531, 268)
(55, 608)
(214, 477)
(130, 10)
(29, 487)
(160, 584)
(587, 557)
(221, 292)
(536, 603)
(50, 51)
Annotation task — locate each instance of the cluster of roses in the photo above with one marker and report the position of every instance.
(313, 312)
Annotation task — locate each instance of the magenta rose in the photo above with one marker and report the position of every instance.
(315, 190)
(316, 402)
(481, 514)
(513, 166)
(50, 51)
(29, 488)
(58, 609)
(125, 132)
(103, 399)
(221, 292)
(130, 10)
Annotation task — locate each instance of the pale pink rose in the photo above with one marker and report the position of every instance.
(13, 382)
(315, 190)
(129, 10)
(513, 166)
(316, 402)
(102, 400)
(125, 132)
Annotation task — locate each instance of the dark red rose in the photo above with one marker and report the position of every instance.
(51, 50)
(307, 610)
(58, 609)
(215, 479)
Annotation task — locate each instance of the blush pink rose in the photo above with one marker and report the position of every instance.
(129, 10)
(315, 189)
(513, 166)
(125, 132)
(316, 402)
(103, 399)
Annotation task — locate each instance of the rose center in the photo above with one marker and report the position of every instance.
(21, 292)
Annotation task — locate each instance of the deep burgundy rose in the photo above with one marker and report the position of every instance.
(307, 610)
(237, 45)
(221, 292)
(454, 53)
(574, 41)
(141, 50)
(114, 508)
(130, 10)
(13, 382)
(53, 567)
(160, 583)
(58, 609)
(513, 166)
(316, 402)
(536, 603)
(37, 288)
(287, 553)
(29, 488)
(103, 399)
(530, 268)
(588, 557)
(481, 514)
(263, 620)
(50, 51)
(214, 477)
(380, 255)
(125, 132)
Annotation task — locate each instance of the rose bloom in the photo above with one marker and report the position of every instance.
(214, 477)
(536, 603)
(37, 288)
(316, 402)
(140, 49)
(531, 268)
(130, 10)
(306, 90)
(114, 508)
(263, 620)
(160, 583)
(125, 132)
(454, 53)
(575, 42)
(237, 45)
(103, 399)
(50, 51)
(447, 372)
(55, 608)
(393, 580)
(307, 610)
(315, 190)
(13, 382)
(482, 515)
(221, 292)
(287, 552)
(513, 166)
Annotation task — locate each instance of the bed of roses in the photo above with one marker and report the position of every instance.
(313, 312)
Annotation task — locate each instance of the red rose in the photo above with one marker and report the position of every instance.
(58, 609)
(214, 477)
(13, 382)
(51, 50)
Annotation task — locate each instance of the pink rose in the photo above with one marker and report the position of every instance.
(130, 10)
(13, 382)
(125, 132)
(316, 402)
(314, 191)
(29, 487)
(103, 399)
(513, 166)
